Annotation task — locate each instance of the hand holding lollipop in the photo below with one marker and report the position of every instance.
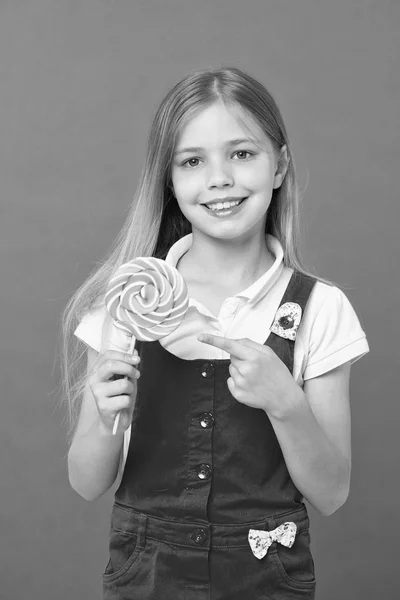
(148, 299)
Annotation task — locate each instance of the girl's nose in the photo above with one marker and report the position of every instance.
(219, 176)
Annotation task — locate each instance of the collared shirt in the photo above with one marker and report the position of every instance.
(239, 315)
(329, 334)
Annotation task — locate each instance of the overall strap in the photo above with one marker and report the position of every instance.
(282, 339)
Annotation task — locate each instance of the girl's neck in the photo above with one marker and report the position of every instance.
(234, 266)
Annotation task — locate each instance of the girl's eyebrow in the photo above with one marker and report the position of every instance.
(228, 144)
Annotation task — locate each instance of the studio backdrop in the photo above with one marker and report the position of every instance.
(79, 84)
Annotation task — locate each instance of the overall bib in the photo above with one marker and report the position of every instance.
(201, 470)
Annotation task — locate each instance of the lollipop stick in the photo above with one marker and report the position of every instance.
(116, 422)
(130, 351)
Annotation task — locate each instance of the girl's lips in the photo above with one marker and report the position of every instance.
(230, 208)
(225, 212)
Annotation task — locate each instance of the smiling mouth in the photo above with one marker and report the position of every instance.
(230, 207)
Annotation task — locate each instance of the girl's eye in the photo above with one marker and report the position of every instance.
(189, 162)
(243, 152)
(194, 162)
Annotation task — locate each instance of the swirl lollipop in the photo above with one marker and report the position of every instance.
(148, 299)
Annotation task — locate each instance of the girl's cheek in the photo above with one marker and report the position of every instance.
(185, 185)
(256, 178)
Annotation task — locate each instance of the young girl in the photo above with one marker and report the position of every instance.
(242, 411)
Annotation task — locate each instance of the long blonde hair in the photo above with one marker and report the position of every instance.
(155, 222)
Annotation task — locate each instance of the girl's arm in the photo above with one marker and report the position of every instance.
(315, 439)
(94, 455)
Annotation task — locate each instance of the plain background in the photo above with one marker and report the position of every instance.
(79, 84)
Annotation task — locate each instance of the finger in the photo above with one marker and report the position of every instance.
(237, 380)
(235, 374)
(233, 347)
(113, 367)
(124, 356)
(135, 375)
(232, 387)
(120, 387)
(113, 404)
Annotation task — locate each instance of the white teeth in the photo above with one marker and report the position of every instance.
(221, 205)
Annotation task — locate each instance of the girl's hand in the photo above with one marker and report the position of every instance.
(112, 391)
(258, 377)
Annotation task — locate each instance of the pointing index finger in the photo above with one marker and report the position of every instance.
(229, 345)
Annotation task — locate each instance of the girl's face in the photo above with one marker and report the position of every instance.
(216, 159)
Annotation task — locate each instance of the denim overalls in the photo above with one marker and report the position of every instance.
(201, 470)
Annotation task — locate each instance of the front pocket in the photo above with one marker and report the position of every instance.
(295, 564)
(124, 551)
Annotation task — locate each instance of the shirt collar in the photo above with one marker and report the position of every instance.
(256, 290)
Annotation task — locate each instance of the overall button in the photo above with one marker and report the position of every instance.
(207, 370)
(206, 420)
(198, 535)
(204, 471)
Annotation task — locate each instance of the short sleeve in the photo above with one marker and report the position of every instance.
(90, 328)
(336, 335)
(97, 330)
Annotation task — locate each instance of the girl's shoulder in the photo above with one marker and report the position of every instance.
(327, 299)
(322, 292)
(330, 332)
(329, 308)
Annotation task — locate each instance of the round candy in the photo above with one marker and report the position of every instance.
(147, 298)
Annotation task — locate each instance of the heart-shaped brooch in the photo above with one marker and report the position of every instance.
(287, 320)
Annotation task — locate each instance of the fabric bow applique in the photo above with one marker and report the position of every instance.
(260, 540)
(287, 320)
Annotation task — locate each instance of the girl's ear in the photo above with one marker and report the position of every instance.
(282, 167)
